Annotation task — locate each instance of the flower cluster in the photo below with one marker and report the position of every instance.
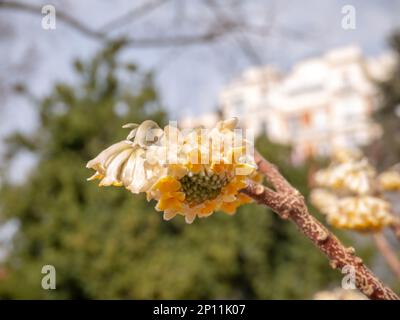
(191, 173)
(348, 193)
(389, 180)
(352, 176)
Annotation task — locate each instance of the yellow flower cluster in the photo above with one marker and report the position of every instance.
(188, 173)
(352, 176)
(347, 194)
(389, 180)
(364, 213)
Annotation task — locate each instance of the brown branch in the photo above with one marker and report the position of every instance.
(133, 15)
(241, 40)
(214, 32)
(288, 203)
(211, 35)
(179, 40)
(388, 253)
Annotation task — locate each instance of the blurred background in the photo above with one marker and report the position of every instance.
(306, 76)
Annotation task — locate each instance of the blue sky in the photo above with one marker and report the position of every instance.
(188, 78)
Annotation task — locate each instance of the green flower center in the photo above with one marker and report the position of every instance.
(201, 187)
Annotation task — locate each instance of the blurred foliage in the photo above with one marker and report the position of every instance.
(386, 151)
(108, 243)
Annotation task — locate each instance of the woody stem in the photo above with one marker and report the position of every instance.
(288, 203)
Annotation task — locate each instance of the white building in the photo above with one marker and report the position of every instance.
(321, 103)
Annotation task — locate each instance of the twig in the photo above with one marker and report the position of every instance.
(133, 15)
(66, 18)
(213, 33)
(288, 203)
(241, 40)
(388, 253)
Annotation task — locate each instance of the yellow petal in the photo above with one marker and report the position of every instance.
(229, 207)
(169, 214)
(167, 184)
(244, 169)
(177, 171)
(180, 196)
(208, 208)
(195, 168)
(220, 167)
(243, 199)
(172, 201)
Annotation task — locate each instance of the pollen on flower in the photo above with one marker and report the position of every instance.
(191, 174)
(201, 187)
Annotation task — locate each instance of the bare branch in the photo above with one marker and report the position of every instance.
(288, 203)
(69, 20)
(150, 42)
(179, 40)
(133, 14)
(242, 41)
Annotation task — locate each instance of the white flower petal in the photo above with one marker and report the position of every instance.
(114, 169)
(98, 163)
